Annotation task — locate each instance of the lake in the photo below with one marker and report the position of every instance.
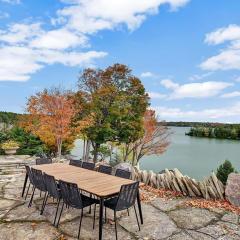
(195, 157)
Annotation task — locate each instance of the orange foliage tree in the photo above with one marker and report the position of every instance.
(50, 113)
(154, 141)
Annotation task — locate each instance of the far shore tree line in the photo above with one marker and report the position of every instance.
(221, 131)
(109, 112)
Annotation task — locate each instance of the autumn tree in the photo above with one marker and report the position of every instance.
(154, 141)
(49, 117)
(116, 101)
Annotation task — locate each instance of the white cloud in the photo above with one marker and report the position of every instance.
(194, 90)
(11, 1)
(59, 39)
(197, 77)
(147, 75)
(168, 83)
(237, 79)
(89, 16)
(27, 48)
(229, 56)
(20, 33)
(69, 33)
(223, 114)
(4, 15)
(221, 35)
(156, 95)
(18, 63)
(231, 94)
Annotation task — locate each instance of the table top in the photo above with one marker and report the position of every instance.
(99, 184)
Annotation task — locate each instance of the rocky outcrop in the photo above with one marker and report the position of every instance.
(209, 188)
(233, 189)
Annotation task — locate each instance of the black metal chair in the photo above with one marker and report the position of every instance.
(73, 198)
(88, 165)
(125, 199)
(105, 169)
(40, 161)
(123, 173)
(52, 191)
(76, 163)
(38, 183)
(29, 174)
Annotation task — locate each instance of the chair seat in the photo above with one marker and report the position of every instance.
(88, 201)
(111, 203)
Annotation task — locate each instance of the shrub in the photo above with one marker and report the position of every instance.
(224, 170)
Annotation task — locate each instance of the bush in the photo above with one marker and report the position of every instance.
(224, 170)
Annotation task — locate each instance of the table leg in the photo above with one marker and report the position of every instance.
(139, 207)
(25, 183)
(101, 218)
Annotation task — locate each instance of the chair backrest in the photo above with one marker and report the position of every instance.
(29, 173)
(51, 186)
(127, 196)
(40, 161)
(88, 165)
(123, 173)
(70, 194)
(105, 169)
(76, 163)
(38, 180)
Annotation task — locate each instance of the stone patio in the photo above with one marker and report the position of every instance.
(163, 219)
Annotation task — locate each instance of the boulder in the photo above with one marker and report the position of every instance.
(124, 166)
(232, 191)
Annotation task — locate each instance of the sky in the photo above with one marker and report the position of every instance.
(186, 52)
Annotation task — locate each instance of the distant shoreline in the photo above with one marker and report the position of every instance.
(197, 124)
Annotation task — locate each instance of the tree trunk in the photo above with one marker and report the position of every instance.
(87, 150)
(84, 149)
(96, 147)
(59, 148)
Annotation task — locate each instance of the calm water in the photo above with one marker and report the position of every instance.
(195, 157)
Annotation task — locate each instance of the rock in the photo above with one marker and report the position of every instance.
(199, 236)
(28, 231)
(124, 166)
(7, 204)
(232, 191)
(192, 218)
(87, 232)
(182, 236)
(221, 229)
(157, 225)
(231, 217)
(168, 204)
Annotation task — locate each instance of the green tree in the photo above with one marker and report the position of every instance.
(115, 101)
(224, 170)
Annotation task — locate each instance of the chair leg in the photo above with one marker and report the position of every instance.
(44, 202)
(80, 224)
(60, 215)
(115, 220)
(128, 212)
(137, 217)
(30, 202)
(27, 191)
(94, 215)
(54, 222)
(40, 193)
(90, 208)
(105, 215)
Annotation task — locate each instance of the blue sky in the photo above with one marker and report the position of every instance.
(186, 52)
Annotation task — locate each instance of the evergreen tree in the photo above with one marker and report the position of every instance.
(224, 170)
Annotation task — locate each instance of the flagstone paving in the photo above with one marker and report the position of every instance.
(163, 219)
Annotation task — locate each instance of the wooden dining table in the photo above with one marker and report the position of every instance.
(99, 184)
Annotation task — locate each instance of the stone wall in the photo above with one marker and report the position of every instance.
(209, 188)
